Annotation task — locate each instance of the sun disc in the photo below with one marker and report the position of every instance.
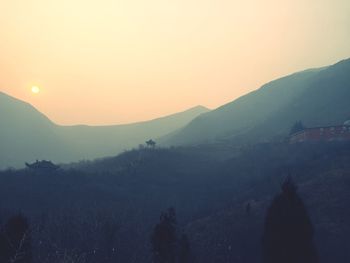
(35, 89)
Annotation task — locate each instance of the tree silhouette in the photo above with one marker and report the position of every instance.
(163, 239)
(185, 255)
(288, 232)
(248, 208)
(15, 241)
(106, 249)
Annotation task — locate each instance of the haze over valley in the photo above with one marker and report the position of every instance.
(174, 131)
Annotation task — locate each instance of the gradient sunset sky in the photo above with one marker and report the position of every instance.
(109, 62)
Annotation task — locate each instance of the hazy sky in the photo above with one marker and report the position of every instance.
(118, 61)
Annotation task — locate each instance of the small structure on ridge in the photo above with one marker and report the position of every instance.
(43, 166)
(151, 143)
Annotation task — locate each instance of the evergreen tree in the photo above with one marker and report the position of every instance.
(107, 244)
(4, 249)
(288, 232)
(185, 255)
(15, 241)
(163, 239)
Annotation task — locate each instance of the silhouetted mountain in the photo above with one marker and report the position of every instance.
(26, 135)
(105, 210)
(315, 96)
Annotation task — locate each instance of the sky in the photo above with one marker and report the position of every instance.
(102, 62)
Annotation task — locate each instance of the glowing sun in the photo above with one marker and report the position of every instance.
(35, 89)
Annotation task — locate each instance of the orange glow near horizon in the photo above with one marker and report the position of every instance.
(107, 61)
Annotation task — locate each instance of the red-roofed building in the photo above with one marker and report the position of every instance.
(329, 133)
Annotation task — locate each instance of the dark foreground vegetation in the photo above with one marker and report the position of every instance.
(227, 206)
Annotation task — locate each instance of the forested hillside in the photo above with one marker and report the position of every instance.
(75, 208)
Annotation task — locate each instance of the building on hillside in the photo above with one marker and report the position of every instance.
(317, 134)
(42, 166)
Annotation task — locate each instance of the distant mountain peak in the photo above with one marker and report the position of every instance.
(26, 134)
(199, 107)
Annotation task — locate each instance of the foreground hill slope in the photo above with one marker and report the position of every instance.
(322, 174)
(210, 196)
(316, 96)
(26, 134)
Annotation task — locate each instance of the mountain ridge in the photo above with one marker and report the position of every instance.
(250, 112)
(27, 134)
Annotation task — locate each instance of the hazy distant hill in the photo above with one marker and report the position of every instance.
(26, 134)
(315, 96)
(93, 141)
